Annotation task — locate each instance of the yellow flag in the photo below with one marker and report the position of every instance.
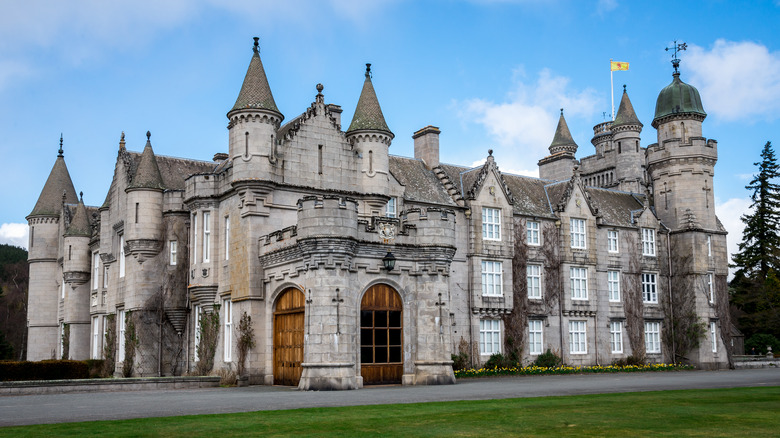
(614, 66)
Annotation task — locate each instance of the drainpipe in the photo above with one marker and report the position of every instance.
(560, 294)
(669, 281)
(470, 269)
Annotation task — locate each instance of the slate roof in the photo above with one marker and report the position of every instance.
(174, 171)
(79, 225)
(255, 92)
(562, 141)
(147, 173)
(368, 113)
(530, 195)
(421, 184)
(615, 207)
(50, 200)
(626, 114)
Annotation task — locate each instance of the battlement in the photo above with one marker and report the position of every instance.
(328, 215)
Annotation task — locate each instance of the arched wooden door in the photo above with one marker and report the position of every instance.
(381, 336)
(288, 337)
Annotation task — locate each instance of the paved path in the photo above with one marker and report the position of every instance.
(58, 408)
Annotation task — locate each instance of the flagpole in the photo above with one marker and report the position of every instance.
(612, 88)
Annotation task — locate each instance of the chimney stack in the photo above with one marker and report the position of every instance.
(426, 145)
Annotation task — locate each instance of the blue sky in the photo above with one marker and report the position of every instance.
(490, 74)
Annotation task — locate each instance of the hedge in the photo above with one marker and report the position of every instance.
(44, 370)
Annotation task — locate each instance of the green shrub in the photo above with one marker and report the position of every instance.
(548, 359)
(44, 370)
(498, 360)
(759, 341)
(460, 361)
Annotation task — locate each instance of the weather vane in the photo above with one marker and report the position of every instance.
(676, 48)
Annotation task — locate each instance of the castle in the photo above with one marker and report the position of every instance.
(359, 267)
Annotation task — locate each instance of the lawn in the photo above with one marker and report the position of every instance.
(714, 412)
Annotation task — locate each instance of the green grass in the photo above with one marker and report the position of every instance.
(717, 412)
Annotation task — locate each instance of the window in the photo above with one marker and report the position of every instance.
(613, 285)
(227, 238)
(578, 337)
(196, 316)
(532, 229)
(491, 278)
(95, 338)
(616, 336)
(489, 336)
(710, 290)
(62, 295)
(709, 245)
(228, 306)
(121, 348)
(121, 256)
(653, 337)
(95, 270)
(174, 248)
(648, 242)
(206, 236)
(62, 340)
(491, 223)
(713, 338)
(579, 283)
(612, 241)
(104, 324)
(534, 280)
(105, 276)
(535, 340)
(391, 208)
(649, 288)
(577, 227)
(195, 237)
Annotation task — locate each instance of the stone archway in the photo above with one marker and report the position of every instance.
(381, 336)
(288, 337)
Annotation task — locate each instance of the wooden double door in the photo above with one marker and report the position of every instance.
(288, 337)
(381, 336)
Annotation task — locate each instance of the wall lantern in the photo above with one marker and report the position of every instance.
(389, 261)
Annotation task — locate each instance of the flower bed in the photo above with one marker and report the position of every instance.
(535, 370)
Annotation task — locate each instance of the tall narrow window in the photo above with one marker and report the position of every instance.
(319, 159)
(227, 237)
(649, 288)
(577, 228)
(391, 208)
(616, 337)
(136, 212)
(173, 245)
(709, 245)
(70, 251)
(489, 336)
(196, 316)
(579, 283)
(491, 278)
(95, 270)
(105, 276)
(612, 241)
(32, 236)
(710, 288)
(206, 237)
(532, 232)
(194, 237)
(491, 223)
(534, 280)
(62, 291)
(713, 337)
(613, 285)
(121, 347)
(653, 337)
(228, 306)
(121, 256)
(535, 336)
(648, 242)
(370, 161)
(246, 144)
(95, 338)
(578, 337)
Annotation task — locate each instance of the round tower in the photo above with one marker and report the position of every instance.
(254, 120)
(76, 272)
(625, 140)
(143, 226)
(370, 137)
(46, 281)
(559, 165)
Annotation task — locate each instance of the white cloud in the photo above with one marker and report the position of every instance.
(14, 234)
(604, 6)
(741, 80)
(522, 127)
(729, 213)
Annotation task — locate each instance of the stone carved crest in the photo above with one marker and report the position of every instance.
(386, 231)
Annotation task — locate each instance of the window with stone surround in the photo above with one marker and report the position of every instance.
(534, 280)
(535, 336)
(578, 337)
(492, 278)
(95, 270)
(390, 211)
(206, 237)
(653, 337)
(578, 233)
(120, 321)
(613, 286)
(649, 288)
(648, 242)
(196, 335)
(227, 237)
(532, 232)
(95, 338)
(121, 256)
(173, 246)
(713, 336)
(489, 336)
(491, 223)
(612, 241)
(710, 288)
(579, 283)
(227, 306)
(616, 337)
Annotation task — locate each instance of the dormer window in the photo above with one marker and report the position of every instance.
(578, 234)
(491, 223)
(532, 228)
(648, 242)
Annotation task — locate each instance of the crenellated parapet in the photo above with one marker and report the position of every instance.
(329, 215)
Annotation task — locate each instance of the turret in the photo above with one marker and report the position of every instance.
(369, 135)
(625, 139)
(143, 226)
(254, 120)
(45, 276)
(76, 272)
(559, 165)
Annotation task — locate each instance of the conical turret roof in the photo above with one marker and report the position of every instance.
(147, 175)
(59, 182)
(562, 142)
(255, 92)
(368, 114)
(79, 225)
(626, 114)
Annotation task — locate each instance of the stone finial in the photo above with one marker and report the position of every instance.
(490, 152)
(256, 47)
(148, 135)
(81, 197)
(368, 69)
(59, 153)
(320, 98)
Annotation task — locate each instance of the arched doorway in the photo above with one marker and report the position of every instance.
(288, 337)
(381, 336)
